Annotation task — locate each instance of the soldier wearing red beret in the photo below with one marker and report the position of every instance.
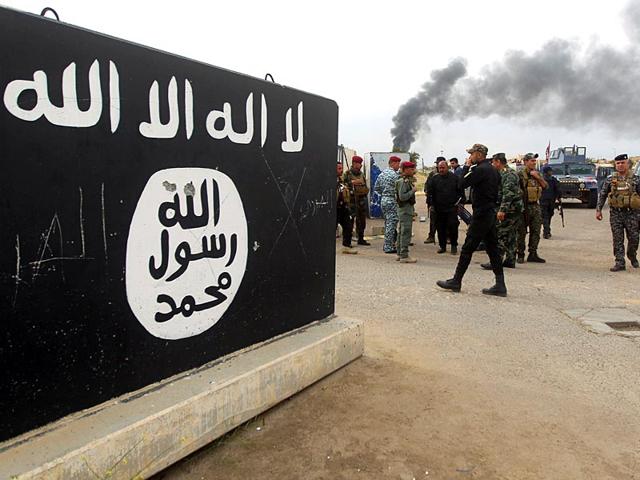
(356, 182)
(386, 187)
(406, 199)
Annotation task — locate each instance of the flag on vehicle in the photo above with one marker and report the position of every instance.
(547, 152)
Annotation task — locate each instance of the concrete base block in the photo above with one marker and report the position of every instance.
(139, 434)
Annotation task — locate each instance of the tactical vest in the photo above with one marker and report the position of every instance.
(358, 190)
(623, 193)
(534, 190)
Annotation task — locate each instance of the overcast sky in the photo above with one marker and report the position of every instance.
(371, 56)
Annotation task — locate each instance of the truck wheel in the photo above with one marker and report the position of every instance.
(593, 199)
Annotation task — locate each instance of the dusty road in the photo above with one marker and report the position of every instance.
(461, 386)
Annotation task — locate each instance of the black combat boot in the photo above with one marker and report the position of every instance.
(454, 249)
(441, 250)
(510, 264)
(455, 284)
(430, 240)
(617, 268)
(486, 266)
(451, 284)
(362, 241)
(534, 258)
(499, 289)
(520, 258)
(634, 263)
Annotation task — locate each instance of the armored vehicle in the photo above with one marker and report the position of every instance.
(603, 170)
(576, 176)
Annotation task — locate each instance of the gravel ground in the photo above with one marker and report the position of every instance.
(461, 385)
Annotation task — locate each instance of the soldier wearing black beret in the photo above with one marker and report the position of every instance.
(622, 189)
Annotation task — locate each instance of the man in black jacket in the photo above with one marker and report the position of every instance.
(485, 180)
(444, 192)
(431, 236)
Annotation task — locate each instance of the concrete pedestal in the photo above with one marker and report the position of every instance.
(139, 434)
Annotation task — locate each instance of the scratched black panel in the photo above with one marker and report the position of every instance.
(68, 194)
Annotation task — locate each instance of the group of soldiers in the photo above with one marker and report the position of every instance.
(506, 206)
(396, 186)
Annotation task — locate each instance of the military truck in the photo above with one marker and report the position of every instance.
(577, 176)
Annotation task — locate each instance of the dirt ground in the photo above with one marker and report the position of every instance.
(461, 386)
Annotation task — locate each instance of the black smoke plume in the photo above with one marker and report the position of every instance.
(561, 84)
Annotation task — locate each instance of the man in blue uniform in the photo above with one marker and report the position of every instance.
(386, 187)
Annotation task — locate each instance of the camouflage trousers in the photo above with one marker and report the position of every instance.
(390, 214)
(405, 227)
(508, 235)
(622, 220)
(534, 222)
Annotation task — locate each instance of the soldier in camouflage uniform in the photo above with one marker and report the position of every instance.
(532, 185)
(622, 189)
(386, 187)
(358, 190)
(406, 199)
(510, 208)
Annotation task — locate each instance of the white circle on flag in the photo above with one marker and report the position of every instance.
(186, 251)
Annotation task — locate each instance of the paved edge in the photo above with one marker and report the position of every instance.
(140, 435)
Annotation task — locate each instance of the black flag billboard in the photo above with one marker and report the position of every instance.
(156, 213)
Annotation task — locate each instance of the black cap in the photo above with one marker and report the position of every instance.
(454, 159)
(622, 156)
(440, 159)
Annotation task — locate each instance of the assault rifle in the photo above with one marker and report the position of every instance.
(463, 213)
(561, 211)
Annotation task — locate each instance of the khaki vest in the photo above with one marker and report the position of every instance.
(534, 190)
(342, 189)
(359, 190)
(623, 193)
